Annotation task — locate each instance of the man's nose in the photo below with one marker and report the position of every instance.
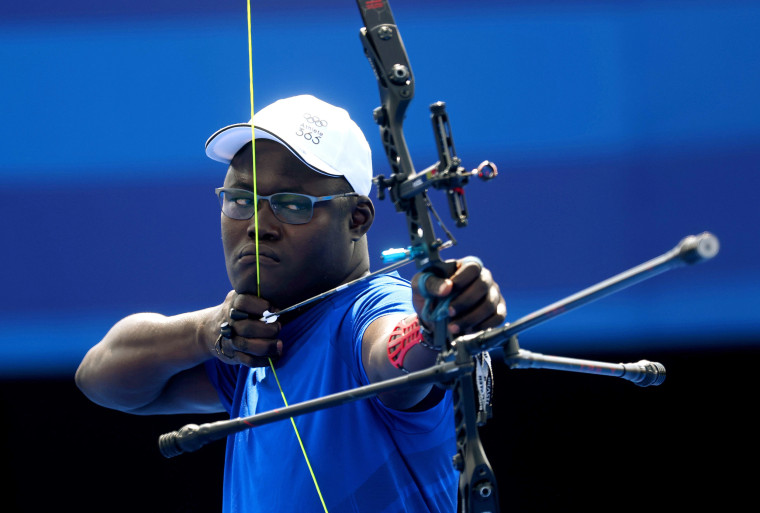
(269, 225)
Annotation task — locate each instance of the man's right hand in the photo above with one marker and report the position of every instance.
(248, 340)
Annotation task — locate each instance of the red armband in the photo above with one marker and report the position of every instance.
(407, 334)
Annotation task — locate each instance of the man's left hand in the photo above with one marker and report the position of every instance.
(476, 302)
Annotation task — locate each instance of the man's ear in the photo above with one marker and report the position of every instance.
(362, 216)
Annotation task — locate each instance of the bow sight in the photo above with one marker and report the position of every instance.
(446, 174)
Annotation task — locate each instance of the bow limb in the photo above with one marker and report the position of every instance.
(408, 191)
(385, 51)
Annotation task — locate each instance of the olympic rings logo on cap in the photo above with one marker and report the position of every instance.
(315, 120)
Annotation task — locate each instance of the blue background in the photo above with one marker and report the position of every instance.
(618, 128)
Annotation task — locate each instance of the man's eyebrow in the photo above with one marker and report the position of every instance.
(296, 188)
(237, 184)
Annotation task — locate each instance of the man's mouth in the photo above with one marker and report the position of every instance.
(248, 254)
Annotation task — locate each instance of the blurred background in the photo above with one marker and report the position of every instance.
(618, 128)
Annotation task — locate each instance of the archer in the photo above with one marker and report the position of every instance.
(303, 232)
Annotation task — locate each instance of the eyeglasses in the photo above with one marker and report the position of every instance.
(288, 207)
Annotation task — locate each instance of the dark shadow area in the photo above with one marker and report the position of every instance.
(558, 441)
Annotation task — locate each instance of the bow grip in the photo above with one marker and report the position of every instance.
(435, 312)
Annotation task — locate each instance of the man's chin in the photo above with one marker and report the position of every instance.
(249, 287)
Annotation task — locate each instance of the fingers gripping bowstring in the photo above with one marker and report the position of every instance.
(256, 234)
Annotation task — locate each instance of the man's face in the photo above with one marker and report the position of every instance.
(295, 262)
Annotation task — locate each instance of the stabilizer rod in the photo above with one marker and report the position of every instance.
(691, 250)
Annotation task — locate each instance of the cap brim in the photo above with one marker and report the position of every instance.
(226, 142)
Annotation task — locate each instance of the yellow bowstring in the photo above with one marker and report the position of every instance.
(253, 153)
(300, 442)
(256, 233)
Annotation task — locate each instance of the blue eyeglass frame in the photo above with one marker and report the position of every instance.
(278, 212)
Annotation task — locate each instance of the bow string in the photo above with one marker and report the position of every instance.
(256, 236)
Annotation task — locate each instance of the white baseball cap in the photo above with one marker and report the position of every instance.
(323, 136)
